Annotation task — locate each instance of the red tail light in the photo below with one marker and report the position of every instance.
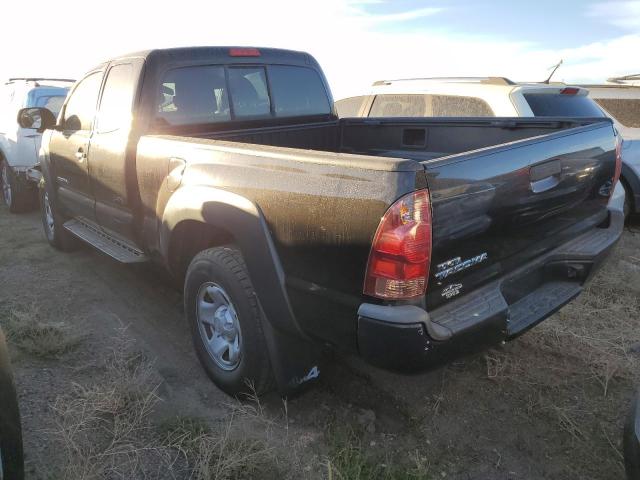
(401, 252)
(569, 91)
(244, 52)
(618, 170)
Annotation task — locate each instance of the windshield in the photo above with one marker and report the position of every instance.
(429, 105)
(214, 94)
(560, 105)
(52, 103)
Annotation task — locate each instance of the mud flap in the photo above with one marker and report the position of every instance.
(295, 361)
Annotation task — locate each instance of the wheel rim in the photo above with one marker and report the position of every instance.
(219, 326)
(49, 222)
(6, 186)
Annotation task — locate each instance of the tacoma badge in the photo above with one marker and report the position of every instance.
(456, 265)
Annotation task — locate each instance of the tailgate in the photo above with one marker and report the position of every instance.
(495, 209)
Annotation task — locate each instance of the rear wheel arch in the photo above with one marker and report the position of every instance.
(225, 218)
(190, 237)
(229, 218)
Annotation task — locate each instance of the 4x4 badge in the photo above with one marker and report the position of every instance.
(451, 290)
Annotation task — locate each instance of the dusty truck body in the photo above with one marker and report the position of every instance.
(408, 241)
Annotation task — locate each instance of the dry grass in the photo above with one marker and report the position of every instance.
(224, 451)
(601, 329)
(108, 430)
(576, 370)
(348, 459)
(27, 329)
(105, 427)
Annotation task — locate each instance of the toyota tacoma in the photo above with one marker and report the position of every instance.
(409, 241)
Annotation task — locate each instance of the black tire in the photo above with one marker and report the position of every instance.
(631, 441)
(11, 454)
(57, 236)
(17, 193)
(224, 267)
(628, 207)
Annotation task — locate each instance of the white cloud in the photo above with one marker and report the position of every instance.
(343, 35)
(403, 16)
(624, 14)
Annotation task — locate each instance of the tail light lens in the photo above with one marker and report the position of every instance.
(618, 170)
(399, 260)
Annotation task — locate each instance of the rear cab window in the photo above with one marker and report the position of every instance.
(429, 105)
(557, 104)
(217, 93)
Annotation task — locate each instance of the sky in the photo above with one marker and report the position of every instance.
(355, 41)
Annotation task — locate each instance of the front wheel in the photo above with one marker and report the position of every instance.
(226, 325)
(52, 222)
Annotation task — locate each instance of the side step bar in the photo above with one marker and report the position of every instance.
(100, 239)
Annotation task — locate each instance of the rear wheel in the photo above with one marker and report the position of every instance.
(225, 321)
(17, 193)
(52, 222)
(628, 207)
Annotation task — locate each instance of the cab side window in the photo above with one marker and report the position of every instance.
(81, 107)
(117, 99)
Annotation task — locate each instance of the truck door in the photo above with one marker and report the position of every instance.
(112, 160)
(69, 148)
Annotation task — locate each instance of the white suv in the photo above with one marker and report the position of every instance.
(621, 101)
(19, 146)
(489, 97)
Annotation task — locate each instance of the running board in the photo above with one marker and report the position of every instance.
(100, 239)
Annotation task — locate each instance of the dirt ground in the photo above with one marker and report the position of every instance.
(549, 405)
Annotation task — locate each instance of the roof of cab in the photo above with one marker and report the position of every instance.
(463, 85)
(266, 55)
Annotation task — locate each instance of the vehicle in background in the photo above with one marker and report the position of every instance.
(11, 455)
(631, 80)
(19, 146)
(620, 99)
(631, 441)
(468, 97)
(410, 241)
(501, 97)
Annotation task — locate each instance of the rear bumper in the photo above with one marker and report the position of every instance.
(408, 338)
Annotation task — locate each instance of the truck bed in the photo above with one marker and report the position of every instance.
(324, 194)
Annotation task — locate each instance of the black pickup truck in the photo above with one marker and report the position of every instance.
(409, 241)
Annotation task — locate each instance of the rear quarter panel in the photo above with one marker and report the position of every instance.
(322, 210)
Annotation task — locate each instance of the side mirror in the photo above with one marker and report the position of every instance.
(36, 117)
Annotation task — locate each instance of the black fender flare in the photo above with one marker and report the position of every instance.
(294, 356)
(46, 169)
